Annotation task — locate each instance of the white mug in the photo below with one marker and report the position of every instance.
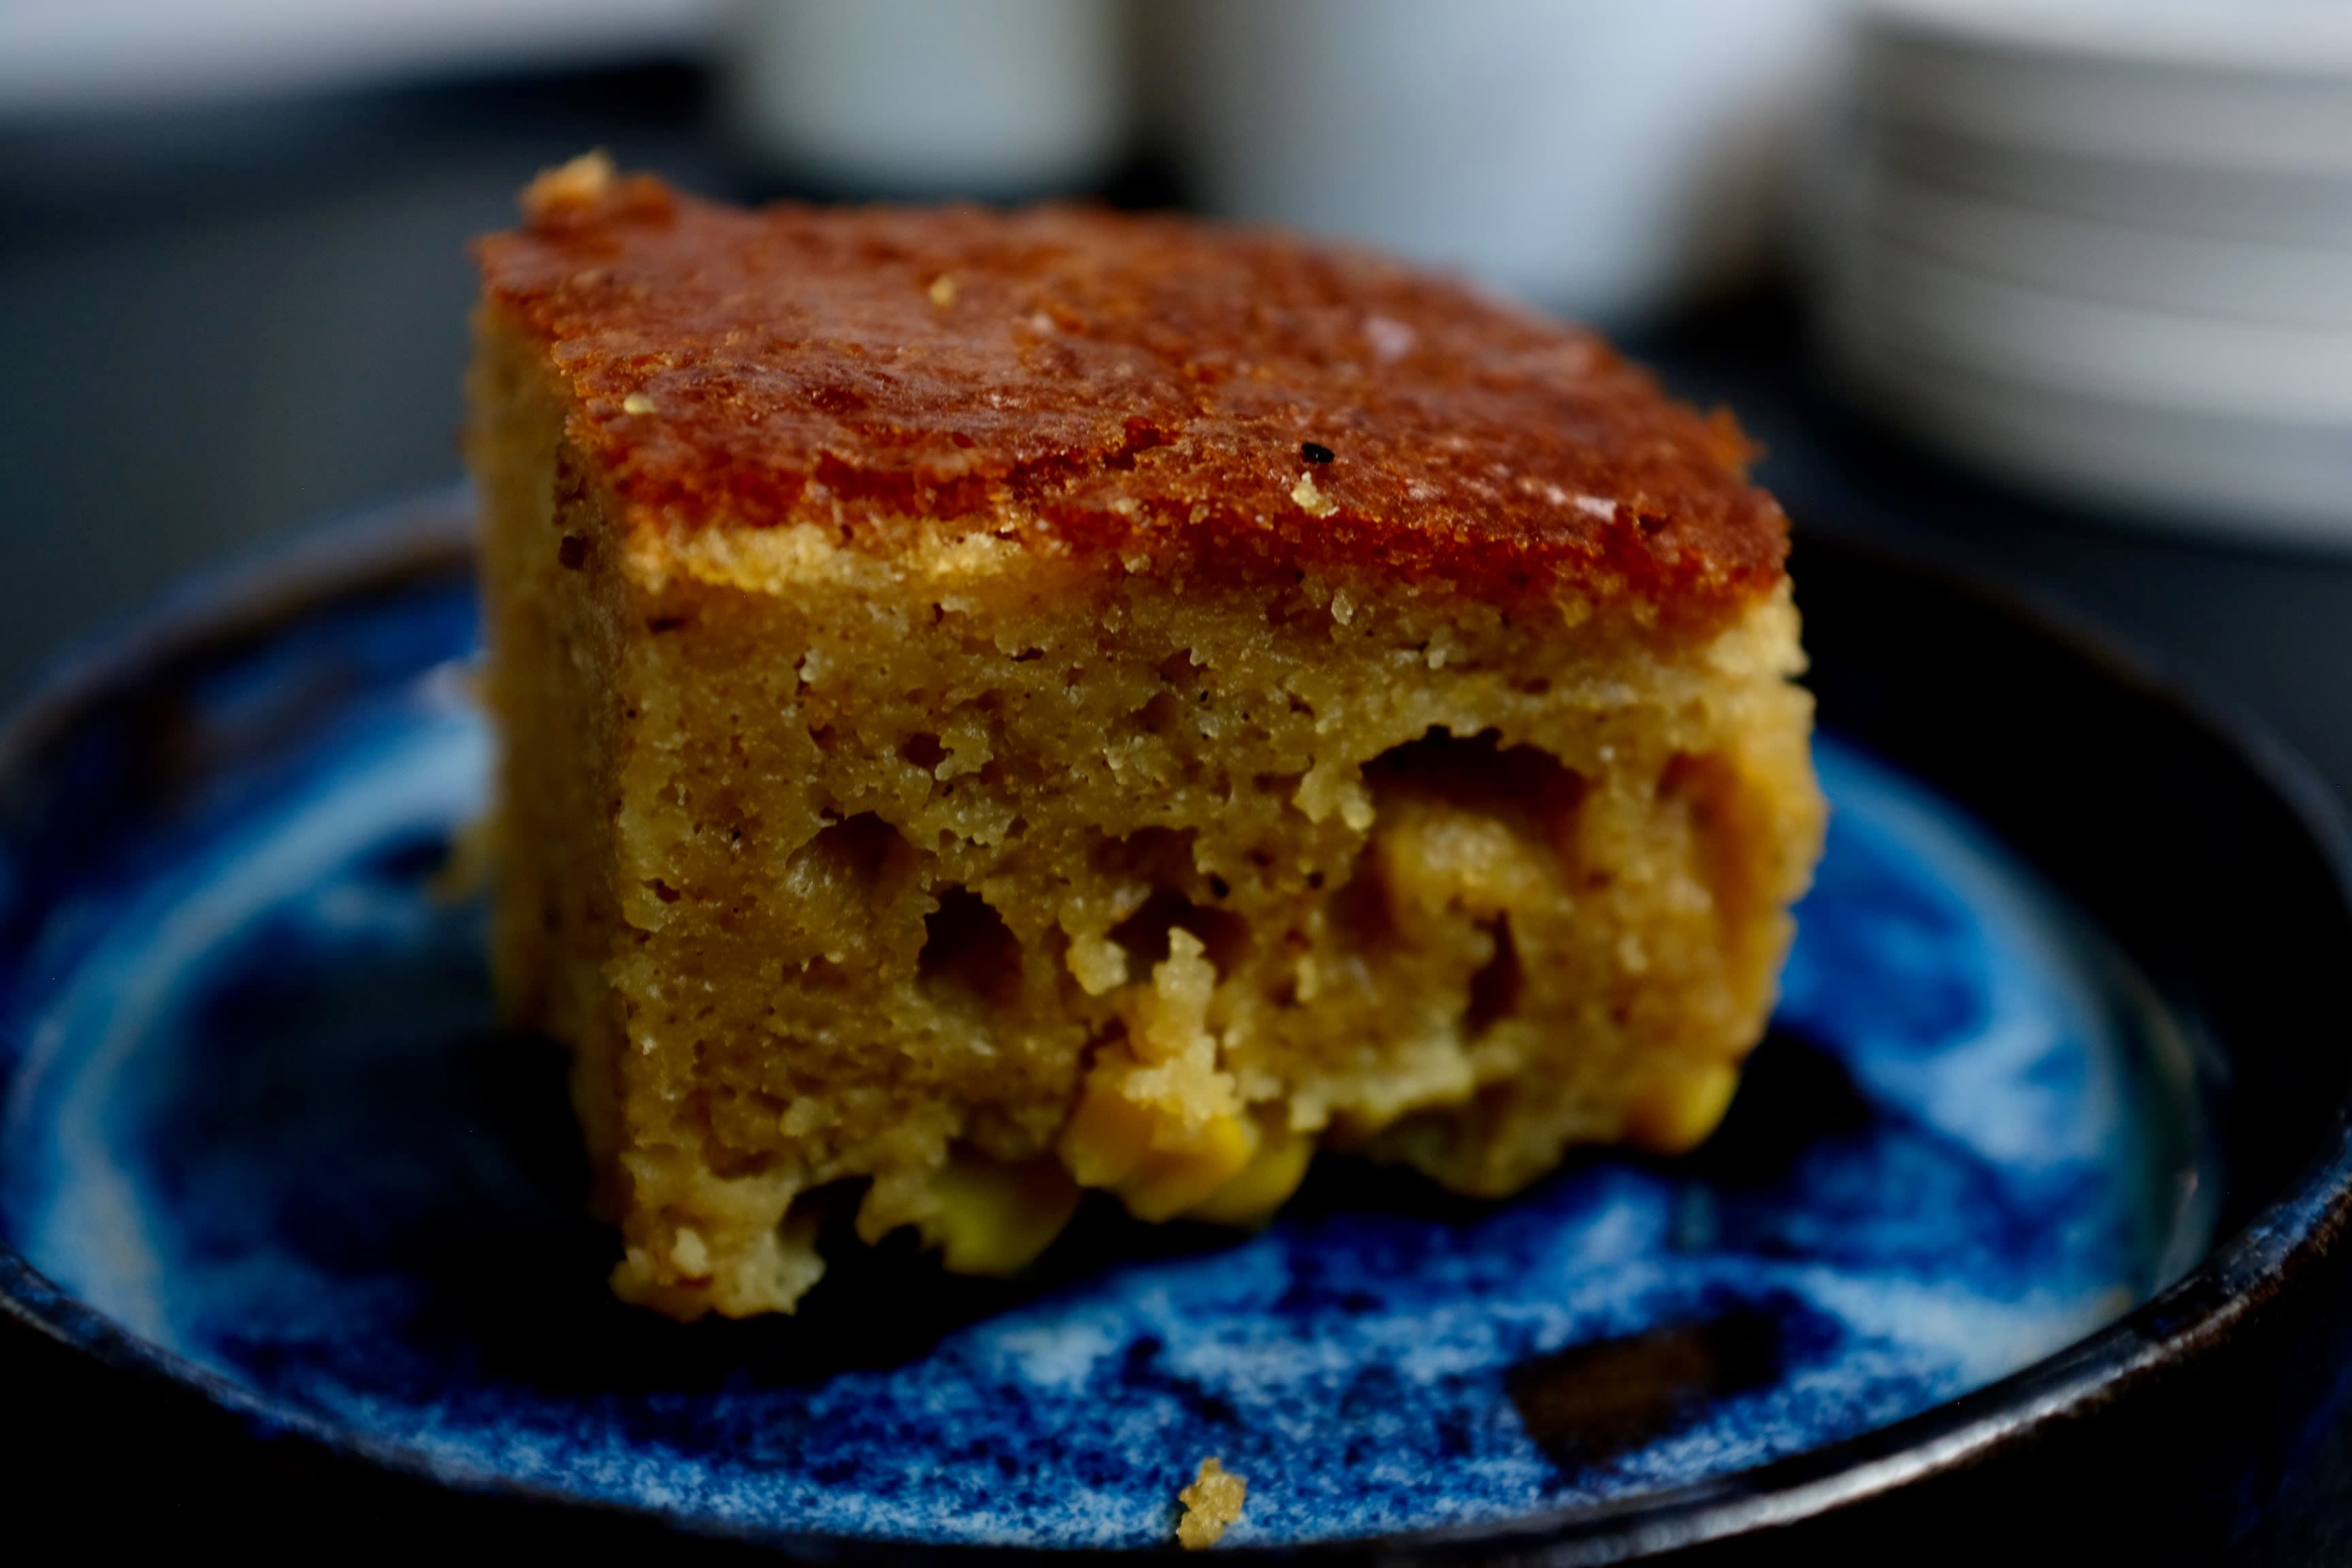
(989, 98)
(1604, 157)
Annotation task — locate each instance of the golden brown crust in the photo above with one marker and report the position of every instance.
(1096, 381)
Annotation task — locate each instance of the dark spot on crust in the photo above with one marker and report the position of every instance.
(1315, 452)
(573, 554)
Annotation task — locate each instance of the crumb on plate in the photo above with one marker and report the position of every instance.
(1212, 1502)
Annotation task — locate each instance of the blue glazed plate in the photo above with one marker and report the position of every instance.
(258, 1127)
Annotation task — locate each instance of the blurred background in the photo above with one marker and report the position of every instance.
(2059, 289)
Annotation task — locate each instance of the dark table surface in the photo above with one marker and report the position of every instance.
(222, 328)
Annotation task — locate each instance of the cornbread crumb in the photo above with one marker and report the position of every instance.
(954, 758)
(1212, 1504)
(579, 185)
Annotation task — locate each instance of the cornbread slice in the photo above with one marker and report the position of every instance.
(999, 705)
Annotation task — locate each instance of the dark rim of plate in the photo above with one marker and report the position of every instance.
(431, 537)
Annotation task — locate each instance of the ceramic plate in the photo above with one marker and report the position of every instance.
(263, 1145)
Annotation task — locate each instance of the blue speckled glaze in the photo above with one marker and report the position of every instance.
(256, 1115)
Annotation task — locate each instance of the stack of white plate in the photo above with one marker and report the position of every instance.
(2106, 245)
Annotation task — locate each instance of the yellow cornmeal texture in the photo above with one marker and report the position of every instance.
(968, 876)
(982, 884)
(1212, 1504)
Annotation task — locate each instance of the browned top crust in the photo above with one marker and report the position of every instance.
(1088, 380)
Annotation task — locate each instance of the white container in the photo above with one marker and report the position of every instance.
(2173, 468)
(2293, 207)
(937, 98)
(2225, 366)
(2105, 247)
(2235, 85)
(2303, 287)
(1604, 157)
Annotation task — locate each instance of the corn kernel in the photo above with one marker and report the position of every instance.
(1157, 1163)
(996, 1217)
(1250, 1197)
(1678, 1107)
(1171, 1181)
